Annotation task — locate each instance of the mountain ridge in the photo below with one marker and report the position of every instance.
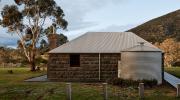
(160, 28)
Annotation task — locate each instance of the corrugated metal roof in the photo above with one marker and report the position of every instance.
(101, 42)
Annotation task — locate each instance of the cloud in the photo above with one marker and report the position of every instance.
(6, 2)
(7, 39)
(101, 15)
(117, 28)
(75, 14)
(100, 28)
(75, 11)
(8, 42)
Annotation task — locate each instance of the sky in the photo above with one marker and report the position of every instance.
(101, 15)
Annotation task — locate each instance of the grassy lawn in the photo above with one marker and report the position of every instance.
(12, 87)
(174, 71)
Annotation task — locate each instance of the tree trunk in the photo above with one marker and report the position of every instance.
(33, 66)
(32, 62)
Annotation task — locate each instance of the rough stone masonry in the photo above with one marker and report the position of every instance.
(59, 68)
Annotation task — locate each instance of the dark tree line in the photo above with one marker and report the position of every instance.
(44, 45)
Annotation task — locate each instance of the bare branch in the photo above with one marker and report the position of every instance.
(29, 21)
(29, 18)
(38, 30)
(43, 22)
(23, 45)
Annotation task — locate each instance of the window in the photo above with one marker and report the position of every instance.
(74, 60)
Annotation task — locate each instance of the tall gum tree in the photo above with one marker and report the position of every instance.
(29, 23)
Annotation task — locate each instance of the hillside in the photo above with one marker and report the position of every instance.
(161, 28)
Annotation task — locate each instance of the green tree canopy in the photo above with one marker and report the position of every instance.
(29, 23)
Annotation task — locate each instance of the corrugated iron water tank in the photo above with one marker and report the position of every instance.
(141, 62)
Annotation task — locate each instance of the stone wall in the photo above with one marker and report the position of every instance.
(109, 65)
(59, 67)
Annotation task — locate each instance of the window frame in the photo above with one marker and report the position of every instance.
(74, 60)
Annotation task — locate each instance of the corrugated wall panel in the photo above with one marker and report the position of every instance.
(141, 65)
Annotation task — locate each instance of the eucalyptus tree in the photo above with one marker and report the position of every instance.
(27, 20)
(44, 47)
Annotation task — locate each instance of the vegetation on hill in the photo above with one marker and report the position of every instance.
(164, 32)
(14, 57)
(161, 28)
(10, 57)
(172, 51)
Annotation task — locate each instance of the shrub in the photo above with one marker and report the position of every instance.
(40, 60)
(10, 71)
(134, 83)
(171, 51)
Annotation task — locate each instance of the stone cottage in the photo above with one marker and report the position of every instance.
(92, 57)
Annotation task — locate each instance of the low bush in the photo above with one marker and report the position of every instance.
(41, 60)
(134, 83)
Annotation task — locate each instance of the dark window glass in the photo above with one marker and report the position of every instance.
(75, 60)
